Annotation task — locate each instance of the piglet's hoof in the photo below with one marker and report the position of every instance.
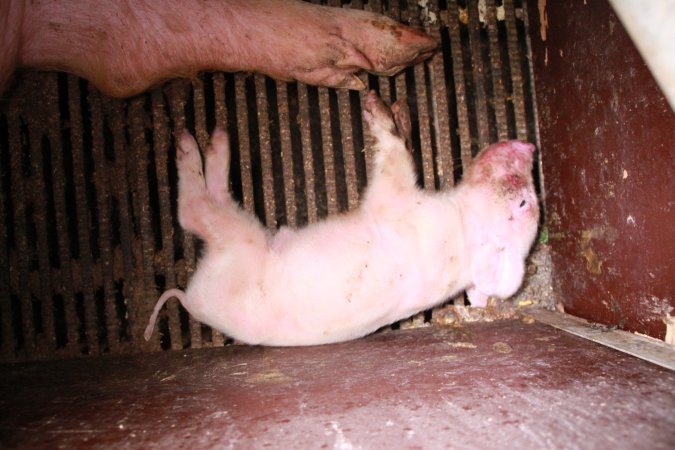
(378, 115)
(401, 113)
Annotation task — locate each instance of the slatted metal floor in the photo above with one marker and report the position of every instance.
(88, 229)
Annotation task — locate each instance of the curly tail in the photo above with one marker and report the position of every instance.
(180, 295)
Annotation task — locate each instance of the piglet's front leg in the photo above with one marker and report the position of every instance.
(125, 47)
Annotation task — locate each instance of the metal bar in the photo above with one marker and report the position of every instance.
(517, 94)
(464, 131)
(84, 220)
(640, 346)
(307, 156)
(19, 200)
(428, 176)
(219, 93)
(141, 308)
(328, 153)
(441, 119)
(46, 340)
(423, 119)
(499, 98)
(244, 143)
(124, 271)
(265, 152)
(286, 154)
(348, 148)
(7, 345)
(102, 181)
(64, 282)
(478, 69)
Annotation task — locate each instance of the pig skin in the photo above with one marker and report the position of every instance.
(401, 251)
(125, 47)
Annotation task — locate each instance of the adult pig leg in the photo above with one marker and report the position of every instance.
(11, 15)
(125, 47)
(393, 171)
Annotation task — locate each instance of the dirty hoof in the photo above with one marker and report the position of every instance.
(377, 114)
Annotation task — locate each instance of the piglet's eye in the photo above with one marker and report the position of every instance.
(522, 203)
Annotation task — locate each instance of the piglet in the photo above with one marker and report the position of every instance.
(403, 250)
(124, 47)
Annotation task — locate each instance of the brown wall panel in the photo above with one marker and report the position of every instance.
(607, 141)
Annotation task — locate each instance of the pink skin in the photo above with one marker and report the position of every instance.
(401, 251)
(125, 47)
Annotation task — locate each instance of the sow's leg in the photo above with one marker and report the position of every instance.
(124, 47)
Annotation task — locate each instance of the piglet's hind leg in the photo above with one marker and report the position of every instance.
(218, 167)
(393, 171)
(197, 212)
(205, 207)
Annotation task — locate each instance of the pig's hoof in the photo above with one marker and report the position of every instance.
(347, 41)
(402, 120)
(377, 114)
(187, 151)
(219, 142)
(388, 45)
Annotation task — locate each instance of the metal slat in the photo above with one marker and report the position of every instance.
(496, 71)
(45, 340)
(102, 182)
(307, 155)
(328, 153)
(462, 112)
(422, 106)
(84, 220)
(265, 152)
(64, 282)
(478, 70)
(141, 308)
(21, 253)
(348, 150)
(244, 143)
(286, 154)
(219, 93)
(125, 269)
(517, 94)
(7, 344)
(441, 118)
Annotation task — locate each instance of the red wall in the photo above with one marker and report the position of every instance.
(608, 153)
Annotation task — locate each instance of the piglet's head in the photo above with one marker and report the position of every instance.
(501, 217)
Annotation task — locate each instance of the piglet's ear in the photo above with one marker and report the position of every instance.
(497, 270)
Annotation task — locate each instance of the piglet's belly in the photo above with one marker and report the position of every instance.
(301, 297)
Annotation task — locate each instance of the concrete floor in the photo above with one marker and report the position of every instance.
(506, 384)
